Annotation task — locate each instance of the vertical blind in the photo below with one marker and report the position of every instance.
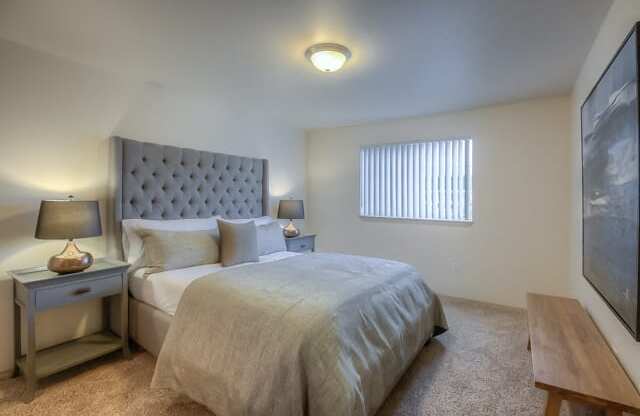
(430, 180)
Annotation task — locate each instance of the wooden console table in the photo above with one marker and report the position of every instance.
(572, 361)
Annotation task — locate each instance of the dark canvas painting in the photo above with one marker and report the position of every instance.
(610, 185)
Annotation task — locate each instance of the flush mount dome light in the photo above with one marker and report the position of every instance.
(328, 57)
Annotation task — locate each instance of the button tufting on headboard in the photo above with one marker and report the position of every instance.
(167, 182)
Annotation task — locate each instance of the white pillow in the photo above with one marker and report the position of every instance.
(132, 243)
(259, 221)
(270, 238)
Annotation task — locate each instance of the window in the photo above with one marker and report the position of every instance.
(427, 180)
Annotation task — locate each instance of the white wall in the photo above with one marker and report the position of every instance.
(622, 15)
(520, 236)
(56, 118)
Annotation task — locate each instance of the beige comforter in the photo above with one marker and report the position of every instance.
(317, 335)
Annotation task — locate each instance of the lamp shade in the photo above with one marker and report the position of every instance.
(68, 219)
(291, 209)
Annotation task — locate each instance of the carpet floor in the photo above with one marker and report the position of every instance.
(479, 367)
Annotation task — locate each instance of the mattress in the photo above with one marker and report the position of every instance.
(163, 290)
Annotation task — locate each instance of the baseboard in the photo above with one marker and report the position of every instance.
(445, 298)
(6, 374)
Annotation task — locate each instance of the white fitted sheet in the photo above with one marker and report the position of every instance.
(163, 290)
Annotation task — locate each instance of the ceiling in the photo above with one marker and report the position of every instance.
(410, 58)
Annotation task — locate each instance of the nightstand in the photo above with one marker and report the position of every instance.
(38, 289)
(302, 243)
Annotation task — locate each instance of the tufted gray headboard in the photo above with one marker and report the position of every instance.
(165, 182)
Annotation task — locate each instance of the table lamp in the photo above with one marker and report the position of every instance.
(66, 220)
(291, 209)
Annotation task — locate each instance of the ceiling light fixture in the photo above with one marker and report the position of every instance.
(328, 57)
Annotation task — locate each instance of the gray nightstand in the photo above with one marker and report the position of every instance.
(302, 243)
(38, 289)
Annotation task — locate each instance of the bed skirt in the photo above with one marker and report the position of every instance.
(148, 325)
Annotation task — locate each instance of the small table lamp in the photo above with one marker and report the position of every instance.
(66, 220)
(291, 209)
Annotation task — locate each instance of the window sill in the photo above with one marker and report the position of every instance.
(422, 220)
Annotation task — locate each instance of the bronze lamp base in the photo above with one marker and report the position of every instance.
(290, 230)
(71, 260)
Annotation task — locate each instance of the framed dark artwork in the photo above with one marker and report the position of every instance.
(610, 185)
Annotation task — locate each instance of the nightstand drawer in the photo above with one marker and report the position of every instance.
(301, 244)
(77, 292)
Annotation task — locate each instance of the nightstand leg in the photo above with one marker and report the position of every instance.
(30, 373)
(106, 314)
(17, 337)
(124, 316)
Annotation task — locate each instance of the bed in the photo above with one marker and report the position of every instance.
(314, 334)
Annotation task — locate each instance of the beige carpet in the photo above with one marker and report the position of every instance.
(479, 367)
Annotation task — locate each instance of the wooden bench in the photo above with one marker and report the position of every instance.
(572, 361)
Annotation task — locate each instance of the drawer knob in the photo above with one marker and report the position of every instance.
(303, 245)
(81, 291)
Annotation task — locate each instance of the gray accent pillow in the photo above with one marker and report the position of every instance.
(170, 250)
(270, 238)
(238, 242)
